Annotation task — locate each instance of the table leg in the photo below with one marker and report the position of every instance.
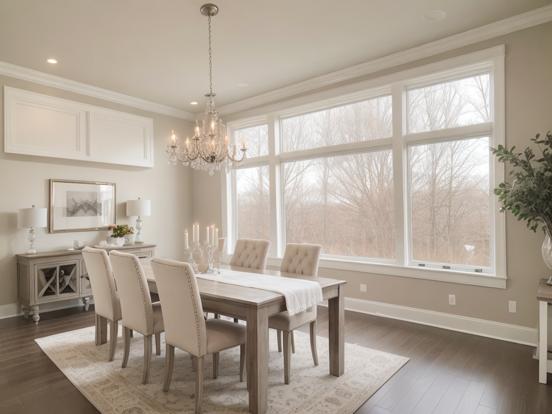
(336, 337)
(257, 360)
(101, 330)
(543, 341)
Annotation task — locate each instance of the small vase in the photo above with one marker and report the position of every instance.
(118, 241)
(546, 251)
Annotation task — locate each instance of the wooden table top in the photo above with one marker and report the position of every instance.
(245, 295)
(544, 292)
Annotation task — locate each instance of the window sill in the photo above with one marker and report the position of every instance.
(440, 275)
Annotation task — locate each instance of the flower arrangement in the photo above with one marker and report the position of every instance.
(121, 230)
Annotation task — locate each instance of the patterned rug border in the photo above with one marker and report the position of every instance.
(102, 406)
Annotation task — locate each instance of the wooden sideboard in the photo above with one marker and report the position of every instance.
(61, 275)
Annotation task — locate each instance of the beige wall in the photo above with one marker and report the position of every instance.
(528, 110)
(24, 181)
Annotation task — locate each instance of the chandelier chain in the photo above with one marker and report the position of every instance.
(210, 62)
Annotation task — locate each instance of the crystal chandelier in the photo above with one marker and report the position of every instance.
(209, 149)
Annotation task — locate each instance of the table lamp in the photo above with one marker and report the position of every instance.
(138, 208)
(32, 218)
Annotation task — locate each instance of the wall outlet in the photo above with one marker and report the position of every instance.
(452, 300)
(512, 306)
(363, 287)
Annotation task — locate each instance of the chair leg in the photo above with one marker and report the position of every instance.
(199, 384)
(169, 366)
(147, 358)
(216, 358)
(314, 351)
(292, 342)
(158, 344)
(217, 316)
(131, 333)
(236, 320)
(287, 355)
(126, 340)
(113, 331)
(194, 363)
(242, 361)
(279, 339)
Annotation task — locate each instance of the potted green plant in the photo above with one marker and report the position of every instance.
(121, 234)
(528, 192)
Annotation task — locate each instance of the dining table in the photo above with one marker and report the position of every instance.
(255, 306)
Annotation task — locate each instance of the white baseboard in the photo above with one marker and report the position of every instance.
(482, 327)
(10, 310)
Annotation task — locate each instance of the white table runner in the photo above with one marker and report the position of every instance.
(300, 294)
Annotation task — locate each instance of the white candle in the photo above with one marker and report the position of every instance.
(216, 237)
(195, 233)
(207, 235)
(212, 234)
(186, 241)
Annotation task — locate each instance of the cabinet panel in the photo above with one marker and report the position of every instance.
(43, 125)
(121, 138)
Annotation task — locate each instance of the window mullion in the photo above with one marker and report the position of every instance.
(273, 187)
(399, 181)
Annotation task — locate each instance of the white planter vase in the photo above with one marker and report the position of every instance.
(118, 241)
(546, 251)
(130, 239)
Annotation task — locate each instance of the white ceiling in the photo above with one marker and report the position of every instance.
(157, 49)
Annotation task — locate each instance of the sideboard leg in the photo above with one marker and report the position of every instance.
(36, 314)
(86, 303)
(25, 311)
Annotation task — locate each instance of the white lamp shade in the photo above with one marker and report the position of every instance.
(138, 207)
(33, 217)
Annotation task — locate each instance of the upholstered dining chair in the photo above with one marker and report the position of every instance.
(185, 326)
(106, 299)
(302, 260)
(250, 254)
(138, 312)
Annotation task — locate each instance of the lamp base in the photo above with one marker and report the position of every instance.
(31, 251)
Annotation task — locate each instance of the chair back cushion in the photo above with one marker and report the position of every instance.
(133, 291)
(250, 254)
(181, 303)
(301, 259)
(100, 273)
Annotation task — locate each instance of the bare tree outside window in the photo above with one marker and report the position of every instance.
(344, 203)
(253, 203)
(450, 104)
(256, 139)
(449, 181)
(360, 121)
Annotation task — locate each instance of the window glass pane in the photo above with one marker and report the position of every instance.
(344, 203)
(450, 104)
(253, 203)
(360, 121)
(449, 196)
(256, 139)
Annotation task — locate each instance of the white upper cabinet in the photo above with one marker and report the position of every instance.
(43, 125)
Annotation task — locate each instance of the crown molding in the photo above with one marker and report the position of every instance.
(489, 31)
(46, 79)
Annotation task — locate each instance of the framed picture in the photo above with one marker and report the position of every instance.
(81, 205)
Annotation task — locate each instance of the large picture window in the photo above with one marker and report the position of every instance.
(398, 177)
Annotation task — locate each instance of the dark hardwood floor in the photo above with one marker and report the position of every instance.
(448, 372)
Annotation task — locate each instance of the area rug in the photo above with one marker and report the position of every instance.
(112, 389)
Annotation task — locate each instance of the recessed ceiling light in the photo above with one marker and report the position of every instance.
(242, 85)
(194, 103)
(435, 15)
(52, 61)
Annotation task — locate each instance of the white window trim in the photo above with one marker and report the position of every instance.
(491, 60)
